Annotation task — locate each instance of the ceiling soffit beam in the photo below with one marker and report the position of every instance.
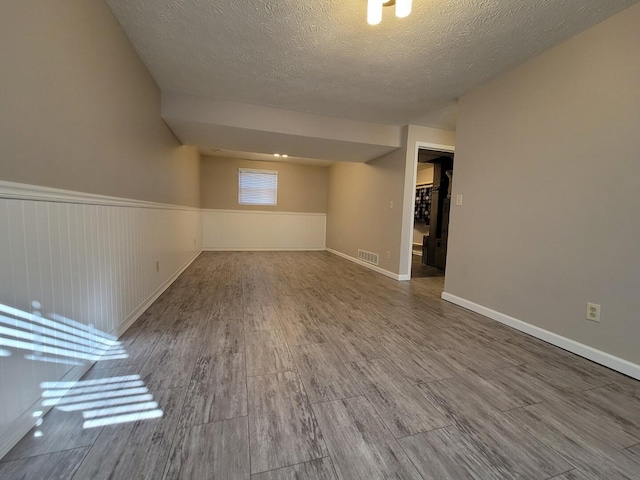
(203, 110)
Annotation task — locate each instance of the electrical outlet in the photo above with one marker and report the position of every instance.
(157, 265)
(459, 200)
(593, 312)
(391, 204)
(388, 254)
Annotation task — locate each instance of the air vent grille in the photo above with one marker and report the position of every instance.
(369, 257)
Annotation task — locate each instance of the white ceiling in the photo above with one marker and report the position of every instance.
(321, 57)
(219, 153)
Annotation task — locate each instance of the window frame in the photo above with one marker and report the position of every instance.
(273, 173)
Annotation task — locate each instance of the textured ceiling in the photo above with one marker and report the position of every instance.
(321, 57)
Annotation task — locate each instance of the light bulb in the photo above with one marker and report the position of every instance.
(403, 8)
(374, 12)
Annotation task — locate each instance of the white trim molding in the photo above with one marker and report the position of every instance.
(409, 203)
(21, 191)
(611, 361)
(375, 268)
(260, 230)
(99, 261)
(131, 319)
(23, 424)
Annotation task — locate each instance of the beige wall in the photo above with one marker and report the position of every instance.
(79, 110)
(547, 158)
(359, 214)
(301, 188)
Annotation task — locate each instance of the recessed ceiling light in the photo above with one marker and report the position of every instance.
(285, 156)
(276, 154)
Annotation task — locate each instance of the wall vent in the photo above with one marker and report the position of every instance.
(368, 257)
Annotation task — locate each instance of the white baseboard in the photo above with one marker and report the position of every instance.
(131, 319)
(375, 268)
(593, 354)
(23, 424)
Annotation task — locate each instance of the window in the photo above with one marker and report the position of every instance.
(257, 187)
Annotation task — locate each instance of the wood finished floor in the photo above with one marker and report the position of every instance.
(273, 366)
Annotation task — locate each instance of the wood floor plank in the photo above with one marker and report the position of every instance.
(214, 450)
(282, 427)
(425, 335)
(217, 390)
(589, 453)
(169, 368)
(633, 453)
(137, 449)
(474, 358)
(518, 383)
(261, 318)
(59, 431)
(605, 433)
(613, 404)
(321, 469)
(569, 374)
(400, 405)
(360, 445)
(572, 475)
(421, 367)
(354, 348)
(444, 454)
(53, 466)
(501, 396)
(227, 307)
(300, 329)
(511, 403)
(267, 352)
(393, 344)
(628, 383)
(508, 448)
(138, 348)
(324, 376)
(224, 337)
(456, 400)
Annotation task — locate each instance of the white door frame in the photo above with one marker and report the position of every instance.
(408, 247)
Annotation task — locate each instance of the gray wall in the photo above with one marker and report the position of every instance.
(359, 216)
(79, 110)
(547, 157)
(301, 188)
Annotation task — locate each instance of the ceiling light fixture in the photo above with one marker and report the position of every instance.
(276, 154)
(374, 9)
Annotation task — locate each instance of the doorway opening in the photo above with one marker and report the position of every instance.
(434, 176)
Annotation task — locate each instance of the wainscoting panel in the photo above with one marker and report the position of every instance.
(76, 271)
(257, 230)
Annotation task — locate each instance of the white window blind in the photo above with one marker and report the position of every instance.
(257, 187)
